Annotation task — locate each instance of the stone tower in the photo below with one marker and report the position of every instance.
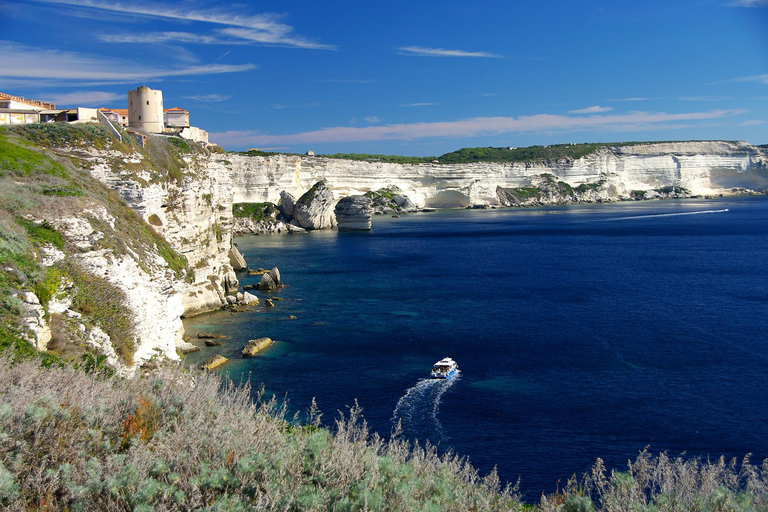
(145, 110)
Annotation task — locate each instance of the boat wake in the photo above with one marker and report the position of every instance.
(417, 410)
(668, 214)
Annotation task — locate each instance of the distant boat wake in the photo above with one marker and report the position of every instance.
(668, 214)
(417, 409)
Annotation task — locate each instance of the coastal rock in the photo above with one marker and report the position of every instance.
(268, 303)
(267, 283)
(270, 280)
(314, 209)
(213, 343)
(353, 213)
(286, 204)
(214, 362)
(209, 336)
(236, 259)
(187, 348)
(274, 273)
(255, 346)
(249, 299)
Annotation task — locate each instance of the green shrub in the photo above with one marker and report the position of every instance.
(105, 304)
(255, 211)
(43, 233)
(21, 161)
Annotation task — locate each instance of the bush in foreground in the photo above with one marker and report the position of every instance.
(82, 439)
(175, 441)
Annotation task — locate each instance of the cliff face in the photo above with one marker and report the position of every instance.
(187, 197)
(193, 213)
(702, 168)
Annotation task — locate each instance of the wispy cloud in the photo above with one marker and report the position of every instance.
(752, 122)
(756, 78)
(27, 62)
(478, 126)
(597, 109)
(420, 51)
(253, 28)
(705, 98)
(84, 98)
(161, 37)
(421, 104)
(372, 119)
(347, 81)
(749, 3)
(638, 98)
(209, 98)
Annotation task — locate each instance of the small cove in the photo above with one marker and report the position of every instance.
(581, 331)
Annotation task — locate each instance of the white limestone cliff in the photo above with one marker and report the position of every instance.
(194, 211)
(703, 168)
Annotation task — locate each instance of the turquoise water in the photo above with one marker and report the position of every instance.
(580, 331)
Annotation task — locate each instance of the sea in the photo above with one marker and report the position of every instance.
(580, 331)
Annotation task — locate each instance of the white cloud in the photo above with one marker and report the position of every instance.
(756, 78)
(420, 51)
(209, 98)
(26, 62)
(597, 109)
(373, 119)
(705, 98)
(84, 98)
(749, 3)
(255, 28)
(422, 104)
(473, 127)
(752, 122)
(161, 37)
(636, 99)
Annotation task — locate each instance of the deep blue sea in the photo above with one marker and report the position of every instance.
(580, 331)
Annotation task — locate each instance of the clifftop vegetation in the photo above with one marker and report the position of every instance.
(39, 188)
(494, 154)
(180, 441)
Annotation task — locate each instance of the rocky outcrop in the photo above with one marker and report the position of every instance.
(255, 346)
(314, 209)
(214, 362)
(286, 204)
(270, 281)
(353, 213)
(236, 259)
(609, 174)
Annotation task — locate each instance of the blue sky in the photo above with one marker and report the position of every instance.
(407, 77)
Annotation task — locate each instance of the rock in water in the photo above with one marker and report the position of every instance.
(275, 275)
(286, 204)
(353, 213)
(249, 298)
(214, 362)
(314, 209)
(210, 336)
(267, 283)
(255, 346)
(236, 259)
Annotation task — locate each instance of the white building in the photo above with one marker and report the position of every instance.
(145, 110)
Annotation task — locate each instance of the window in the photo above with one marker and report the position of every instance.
(147, 102)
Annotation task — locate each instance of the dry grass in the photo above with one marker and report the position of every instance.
(176, 441)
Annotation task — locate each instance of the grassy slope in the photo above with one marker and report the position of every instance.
(495, 154)
(38, 186)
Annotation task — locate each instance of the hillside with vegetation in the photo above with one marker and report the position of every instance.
(76, 435)
(533, 154)
(40, 189)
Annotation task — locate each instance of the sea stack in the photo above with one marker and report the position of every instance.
(353, 213)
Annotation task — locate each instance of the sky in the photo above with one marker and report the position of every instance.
(405, 77)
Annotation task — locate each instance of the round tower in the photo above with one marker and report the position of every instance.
(145, 110)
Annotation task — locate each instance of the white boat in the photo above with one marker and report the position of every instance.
(444, 369)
